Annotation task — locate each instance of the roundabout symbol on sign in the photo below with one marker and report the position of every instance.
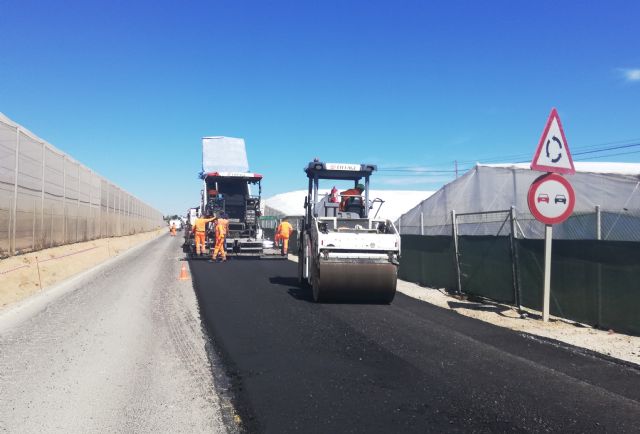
(551, 199)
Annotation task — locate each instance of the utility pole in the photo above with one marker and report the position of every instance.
(456, 164)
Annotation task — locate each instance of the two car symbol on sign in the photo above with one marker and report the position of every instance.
(560, 198)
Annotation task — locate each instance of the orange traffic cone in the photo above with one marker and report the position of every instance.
(183, 273)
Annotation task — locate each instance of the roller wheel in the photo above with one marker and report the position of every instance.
(302, 282)
(315, 284)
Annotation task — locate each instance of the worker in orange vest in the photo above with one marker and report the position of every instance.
(199, 230)
(284, 232)
(172, 229)
(222, 227)
(348, 195)
(277, 240)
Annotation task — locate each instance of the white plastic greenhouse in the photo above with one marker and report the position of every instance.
(607, 204)
(395, 202)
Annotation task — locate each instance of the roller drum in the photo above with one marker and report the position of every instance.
(355, 282)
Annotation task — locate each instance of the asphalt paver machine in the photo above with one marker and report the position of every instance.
(345, 254)
(228, 189)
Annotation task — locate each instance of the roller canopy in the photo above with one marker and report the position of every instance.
(348, 171)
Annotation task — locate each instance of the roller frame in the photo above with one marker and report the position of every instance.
(341, 273)
(345, 255)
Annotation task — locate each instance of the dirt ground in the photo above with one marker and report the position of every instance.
(24, 275)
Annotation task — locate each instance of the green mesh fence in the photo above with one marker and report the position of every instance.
(594, 282)
(269, 233)
(428, 261)
(485, 267)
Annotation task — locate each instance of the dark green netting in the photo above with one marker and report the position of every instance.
(428, 261)
(485, 267)
(594, 282)
(269, 233)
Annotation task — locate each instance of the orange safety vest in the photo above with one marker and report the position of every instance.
(284, 229)
(222, 227)
(200, 224)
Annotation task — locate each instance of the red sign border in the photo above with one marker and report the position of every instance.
(553, 169)
(532, 203)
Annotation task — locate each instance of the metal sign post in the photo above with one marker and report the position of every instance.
(551, 198)
(548, 235)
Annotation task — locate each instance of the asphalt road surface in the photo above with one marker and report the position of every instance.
(118, 349)
(297, 366)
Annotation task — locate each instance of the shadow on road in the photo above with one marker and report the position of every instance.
(294, 290)
(306, 294)
(478, 307)
(302, 294)
(285, 281)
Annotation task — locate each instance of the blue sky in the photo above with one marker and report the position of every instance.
(129, 88)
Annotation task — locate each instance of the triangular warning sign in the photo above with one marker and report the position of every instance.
(553, 153)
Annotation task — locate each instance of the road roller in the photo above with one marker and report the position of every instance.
(344, 253)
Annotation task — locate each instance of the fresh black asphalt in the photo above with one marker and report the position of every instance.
(298, 366)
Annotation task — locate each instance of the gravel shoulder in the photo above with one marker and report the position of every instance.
(119, 348)
(609, 343)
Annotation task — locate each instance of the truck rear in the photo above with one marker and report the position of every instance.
(229, 189)
(230, 194)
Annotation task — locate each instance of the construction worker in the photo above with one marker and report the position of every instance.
(222, 227)
(333, 196)
(199, 230)
(348, 195)
(284, 232)
(172, 229)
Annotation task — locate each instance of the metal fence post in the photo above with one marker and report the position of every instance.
(33, 226)
(51, 225)
(514, 259)
(43, 233)
(598, 223)
(78, 204)
(599, 266)
(106, 225)
(454, 226)
(90, 218)
(14, 210)
(64, 199)
(100, 212)
(119, 212)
